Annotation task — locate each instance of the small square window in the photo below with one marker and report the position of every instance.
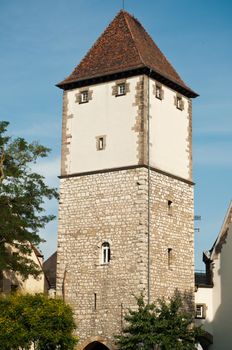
(200, 311)
(158, 92)
(121, 89)
(179, 103)
(14, 287)
(84, 97)
(100, 143)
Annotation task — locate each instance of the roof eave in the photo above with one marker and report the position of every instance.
(91, 80)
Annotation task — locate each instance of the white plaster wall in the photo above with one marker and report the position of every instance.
(30, 285)
(205, 296)
(222, 296)
(169, 133)
(106, 115)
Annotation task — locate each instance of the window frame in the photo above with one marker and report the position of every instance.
(202, 314)
(101, 142)
(179, 103)
(159, 92)
(84, 96)
(119, 87)
(105, 253)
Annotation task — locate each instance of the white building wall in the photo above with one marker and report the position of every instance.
(222, 296)
(104, 115)
(170, 139)
(115, 118)
(205, 296)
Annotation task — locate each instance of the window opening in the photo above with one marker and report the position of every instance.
(200, 311)
(158, 92)
(179, 103)
(170, 206)
(101, 143)
(169, 257)
(105, 253)
(14, 287)
(84, 96)
(121, 89)
(95, 301)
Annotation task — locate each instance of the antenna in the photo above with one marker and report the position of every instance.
(197, 218)
(123, 4)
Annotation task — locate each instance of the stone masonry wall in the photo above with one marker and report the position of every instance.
(97, 208)
(113, 207)
(172, 236)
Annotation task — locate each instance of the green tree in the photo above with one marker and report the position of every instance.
(162, 325)
(22, 195)
(27, 320)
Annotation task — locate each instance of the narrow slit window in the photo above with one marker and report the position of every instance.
(95, 301)
(105, 253)
(170, 207)
(101, 143)
(170, 257)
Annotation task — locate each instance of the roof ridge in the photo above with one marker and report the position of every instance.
(95, 43)
(128, 24)
(154, 43)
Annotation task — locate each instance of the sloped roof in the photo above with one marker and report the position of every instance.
(124, 46)
(222, 236)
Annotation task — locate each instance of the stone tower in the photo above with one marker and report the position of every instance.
(126, 194)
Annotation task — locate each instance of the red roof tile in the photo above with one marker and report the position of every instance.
(123, 46)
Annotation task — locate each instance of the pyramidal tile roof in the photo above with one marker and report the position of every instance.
(124, 46)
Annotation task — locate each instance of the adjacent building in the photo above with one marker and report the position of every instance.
(214, 289)
(11, 281)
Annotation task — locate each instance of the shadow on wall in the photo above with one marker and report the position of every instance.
(9, 282)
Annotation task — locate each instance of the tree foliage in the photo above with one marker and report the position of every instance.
(162, 325)
(36, 320)
(22, 195)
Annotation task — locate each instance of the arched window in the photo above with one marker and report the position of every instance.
(105, 253)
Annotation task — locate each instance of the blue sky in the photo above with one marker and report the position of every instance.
(42, 41)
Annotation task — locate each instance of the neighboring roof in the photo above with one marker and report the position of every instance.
(203, 280)
(49, 267)
(124, 46)
(221, 238)
(37, 251)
